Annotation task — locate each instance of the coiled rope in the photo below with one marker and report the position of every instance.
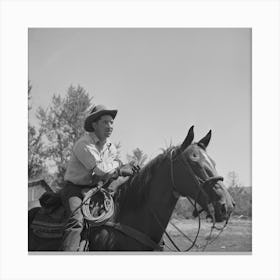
(96, 214)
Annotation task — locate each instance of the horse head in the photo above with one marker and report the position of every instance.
(192, 164)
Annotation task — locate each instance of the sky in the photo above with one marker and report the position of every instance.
(161, 80)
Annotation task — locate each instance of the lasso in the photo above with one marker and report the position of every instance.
(108, 207)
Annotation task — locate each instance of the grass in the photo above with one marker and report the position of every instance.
(236, 237)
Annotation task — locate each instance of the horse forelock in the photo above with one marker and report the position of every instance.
(136, 191)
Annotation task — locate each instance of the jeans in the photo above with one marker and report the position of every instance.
(72, 198)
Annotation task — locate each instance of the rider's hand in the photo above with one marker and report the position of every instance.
(136, 168)
(128, 169)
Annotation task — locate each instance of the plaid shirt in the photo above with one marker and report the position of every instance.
(91, 157)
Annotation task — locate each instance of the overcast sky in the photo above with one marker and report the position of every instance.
(162, 81)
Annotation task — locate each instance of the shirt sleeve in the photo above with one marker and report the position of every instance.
(84, 155)
(99, 167)
(109, 165)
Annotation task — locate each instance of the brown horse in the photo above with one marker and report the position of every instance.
(145, 203)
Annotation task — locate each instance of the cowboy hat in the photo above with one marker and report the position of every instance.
(96, 112)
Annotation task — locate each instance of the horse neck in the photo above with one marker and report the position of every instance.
(160, 203)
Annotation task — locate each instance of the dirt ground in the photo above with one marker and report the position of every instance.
(236, 237)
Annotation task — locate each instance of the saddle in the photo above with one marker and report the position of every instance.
(50, 220)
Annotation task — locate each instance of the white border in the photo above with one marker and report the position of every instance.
(17, 16)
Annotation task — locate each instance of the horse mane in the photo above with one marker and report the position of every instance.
(135, 191)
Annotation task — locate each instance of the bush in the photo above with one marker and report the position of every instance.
(243, 200)
(183, 209)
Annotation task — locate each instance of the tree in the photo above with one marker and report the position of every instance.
(35, 146)
(138, 157)
(118, 147)
(29, 94)
(183, 208)
(62, 123)
(242, 197)
(240, 194)
(233, 179)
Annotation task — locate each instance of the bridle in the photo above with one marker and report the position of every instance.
(201, 185)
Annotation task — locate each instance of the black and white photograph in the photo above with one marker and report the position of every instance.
(120, 121)
(139, 140)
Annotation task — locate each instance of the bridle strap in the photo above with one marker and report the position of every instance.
(176, 194)
(212, 180)
(175, 189)
(201, 184)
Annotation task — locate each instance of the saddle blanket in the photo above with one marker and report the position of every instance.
(50, 220)
(49, 225)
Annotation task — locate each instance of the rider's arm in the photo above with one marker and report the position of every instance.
(91, 161)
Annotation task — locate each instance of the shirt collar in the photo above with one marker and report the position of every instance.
(96, 140)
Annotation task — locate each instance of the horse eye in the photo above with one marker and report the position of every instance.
(194, 156)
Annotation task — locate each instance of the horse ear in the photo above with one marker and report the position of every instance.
(205, 140)
(188, 140)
